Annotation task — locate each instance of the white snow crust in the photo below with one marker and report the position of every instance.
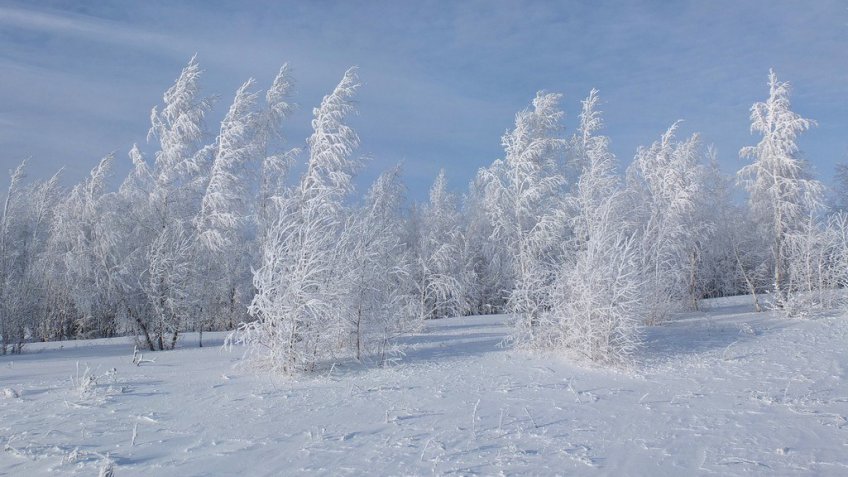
(725, 392)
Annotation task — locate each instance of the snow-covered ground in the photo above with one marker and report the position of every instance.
(724, 392)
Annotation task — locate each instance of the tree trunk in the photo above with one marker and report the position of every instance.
(751, 287)
(147, 341)
(693, 292)
(359, 333)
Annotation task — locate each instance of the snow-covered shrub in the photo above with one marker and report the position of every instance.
(10, 393)
(85, 384)
(107, 467)
(597, 304)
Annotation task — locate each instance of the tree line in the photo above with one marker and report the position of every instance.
(223, 235)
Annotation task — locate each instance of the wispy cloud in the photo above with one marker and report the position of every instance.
(84, 26)
(442, 79)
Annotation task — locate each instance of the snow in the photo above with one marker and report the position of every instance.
(725, 392)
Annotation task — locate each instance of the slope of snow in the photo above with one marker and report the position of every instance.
(724, 392)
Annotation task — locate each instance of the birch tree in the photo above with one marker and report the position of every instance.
(178, 177)
(8, 327)
(24, 231)
(85, 261)
(437, 272)
(381, 303)
(298, 317)
(275, 163)
(486, 273)
(665, 181)
(782, 193)
(220, 226)
(720, 218)
(522, 192)
(596, 303)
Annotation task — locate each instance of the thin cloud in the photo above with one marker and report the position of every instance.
(84, 26)
(442, 80)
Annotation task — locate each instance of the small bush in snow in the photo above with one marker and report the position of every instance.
(10, 393)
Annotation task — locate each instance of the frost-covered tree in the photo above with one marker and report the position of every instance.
(751, 256)
(715, 272)
(84, 261)
(839, 194)
(178, 175)
(24, 231)
(437, 270)
(9, 327)
(486, 275)
(523, 193)
(221, 225)
(596, 303)
(267, 177)
(168, 284)
(665, 182)
(275, 164)
(224, 205)
(297, 310)
(130, 232)
(44, 197)
(243, 153)
(179, 129)
(817, 267)
(597, 167)
(782, 193)
(381, 302)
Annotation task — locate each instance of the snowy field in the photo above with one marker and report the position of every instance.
(727, 392)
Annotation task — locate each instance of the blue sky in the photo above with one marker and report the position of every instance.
(442, 80)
